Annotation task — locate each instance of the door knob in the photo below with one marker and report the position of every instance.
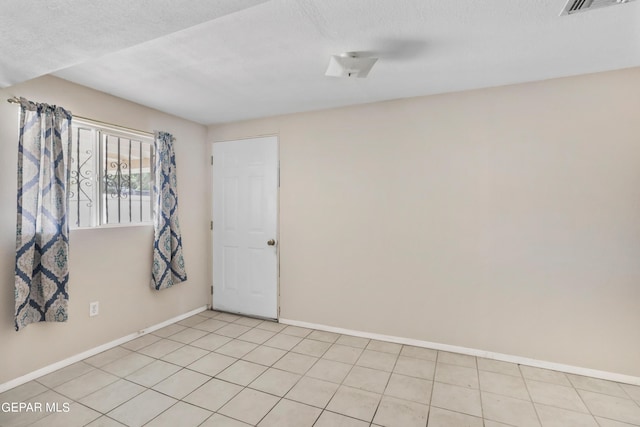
(271, 242)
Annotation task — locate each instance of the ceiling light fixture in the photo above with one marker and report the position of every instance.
(349, 64)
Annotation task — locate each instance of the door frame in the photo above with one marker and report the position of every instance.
(211, 204)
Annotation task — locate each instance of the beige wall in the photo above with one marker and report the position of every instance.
(505, 219)
(112, 265)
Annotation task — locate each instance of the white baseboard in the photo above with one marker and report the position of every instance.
(611, 376)
(91, 352)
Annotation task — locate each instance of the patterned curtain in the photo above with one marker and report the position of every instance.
(42, 235)
(168, 262)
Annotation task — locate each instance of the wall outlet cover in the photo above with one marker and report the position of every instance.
(94, 308)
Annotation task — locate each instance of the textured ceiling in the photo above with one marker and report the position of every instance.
(43, 36)
(270, 59)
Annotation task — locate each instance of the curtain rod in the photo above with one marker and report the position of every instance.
(16, 100)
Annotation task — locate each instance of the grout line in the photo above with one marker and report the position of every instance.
(581, 400)
(627, 393)
(433, 384)
(606, 394)
(318, 416)
(475, 359)
(343, 415)
(162, 412)
(526, 385)
(280, 398)
(387, 383)
(341, 383)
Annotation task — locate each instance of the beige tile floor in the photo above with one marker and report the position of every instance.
(218, 369)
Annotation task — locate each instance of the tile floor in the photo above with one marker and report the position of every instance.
(218, 369)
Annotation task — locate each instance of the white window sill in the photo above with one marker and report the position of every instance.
(137, 224)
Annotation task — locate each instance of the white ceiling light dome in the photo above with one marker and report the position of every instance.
(349, 64)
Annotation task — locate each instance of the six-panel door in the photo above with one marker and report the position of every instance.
(245, 218)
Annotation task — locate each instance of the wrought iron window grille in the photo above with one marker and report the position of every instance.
(111, 179)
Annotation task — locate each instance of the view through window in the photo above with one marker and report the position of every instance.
(111, 178)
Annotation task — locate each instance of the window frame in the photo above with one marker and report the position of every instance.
(99, 132)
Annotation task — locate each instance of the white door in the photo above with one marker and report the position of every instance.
(245, 219)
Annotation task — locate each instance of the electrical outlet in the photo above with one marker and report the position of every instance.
(94, 308)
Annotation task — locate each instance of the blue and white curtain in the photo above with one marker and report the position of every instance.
(42, 234)
(168, 262)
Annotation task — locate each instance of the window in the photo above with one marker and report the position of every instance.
(112, 176)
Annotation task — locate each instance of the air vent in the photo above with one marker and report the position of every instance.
(575, 6)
